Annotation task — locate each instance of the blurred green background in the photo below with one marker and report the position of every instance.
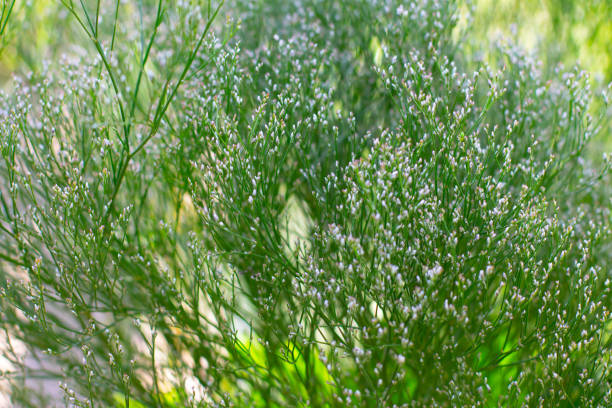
(559, 31)
(564, 33)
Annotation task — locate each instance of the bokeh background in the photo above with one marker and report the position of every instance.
(558, 31)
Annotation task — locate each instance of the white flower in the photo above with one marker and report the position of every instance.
(401, 11)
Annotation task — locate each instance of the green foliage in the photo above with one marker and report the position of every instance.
(562, 31)
(315, 203)
(6, 8)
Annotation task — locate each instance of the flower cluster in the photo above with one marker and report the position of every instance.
(313, 204)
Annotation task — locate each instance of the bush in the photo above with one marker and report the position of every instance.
(325, 204)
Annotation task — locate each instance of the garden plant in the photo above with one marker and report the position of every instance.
(306, 203)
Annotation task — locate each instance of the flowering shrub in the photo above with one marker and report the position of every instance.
(325, 204)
